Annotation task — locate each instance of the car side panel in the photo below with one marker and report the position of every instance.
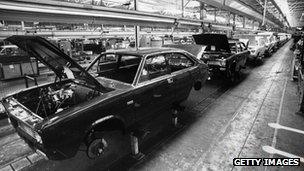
(149, 97)
(182, 84)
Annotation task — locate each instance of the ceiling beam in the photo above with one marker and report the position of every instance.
(257, 17)
(269, 13)
(269, 16)
(279, 9)
(297, 6)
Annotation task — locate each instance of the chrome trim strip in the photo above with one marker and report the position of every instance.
(103, 119)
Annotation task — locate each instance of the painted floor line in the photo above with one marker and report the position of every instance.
(278, 126)
(274, 140)
(272, 150)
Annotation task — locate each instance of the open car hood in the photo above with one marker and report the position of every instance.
(53, 57)
(194, 49)
(220, 41)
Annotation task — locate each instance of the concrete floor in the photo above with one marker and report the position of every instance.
(220, 123)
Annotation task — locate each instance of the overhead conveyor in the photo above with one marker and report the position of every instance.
(65, 12)
(78, 13)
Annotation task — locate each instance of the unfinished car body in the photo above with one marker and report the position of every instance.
(223, 55)
(116, 92)
(256, 45)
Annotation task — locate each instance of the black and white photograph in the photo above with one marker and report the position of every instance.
(151, 85)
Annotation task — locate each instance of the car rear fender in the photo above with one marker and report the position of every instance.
(199, 80)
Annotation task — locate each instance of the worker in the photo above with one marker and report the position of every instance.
(300, 50)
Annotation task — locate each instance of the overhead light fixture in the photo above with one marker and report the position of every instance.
(176, 23)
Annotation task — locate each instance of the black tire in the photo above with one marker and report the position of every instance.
(259, 60)
(267, 54)
(197, 85)
(262, 59)
(105, 144)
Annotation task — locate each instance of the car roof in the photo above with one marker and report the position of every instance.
(143, 51)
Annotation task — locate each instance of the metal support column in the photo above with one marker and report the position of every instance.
(22, 25)
(136, 28)
(175, 117)
(183, 8)
(244, 22)
(175, 112)
(215, 10)
(136, 154)
(264, 13)
(228, 18)
(134, 145)
(202, 11)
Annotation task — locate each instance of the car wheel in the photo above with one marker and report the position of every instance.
(105, 144)
(197, 85)
(267, 53)
(259, 59)
(262, 59)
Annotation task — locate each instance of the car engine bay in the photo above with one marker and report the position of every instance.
(51, 99)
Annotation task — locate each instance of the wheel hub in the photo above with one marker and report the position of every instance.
(97, 147)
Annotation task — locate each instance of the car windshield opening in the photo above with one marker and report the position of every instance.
(121, 68)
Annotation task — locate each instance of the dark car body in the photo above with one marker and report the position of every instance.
(119, 89)
(221, 54)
